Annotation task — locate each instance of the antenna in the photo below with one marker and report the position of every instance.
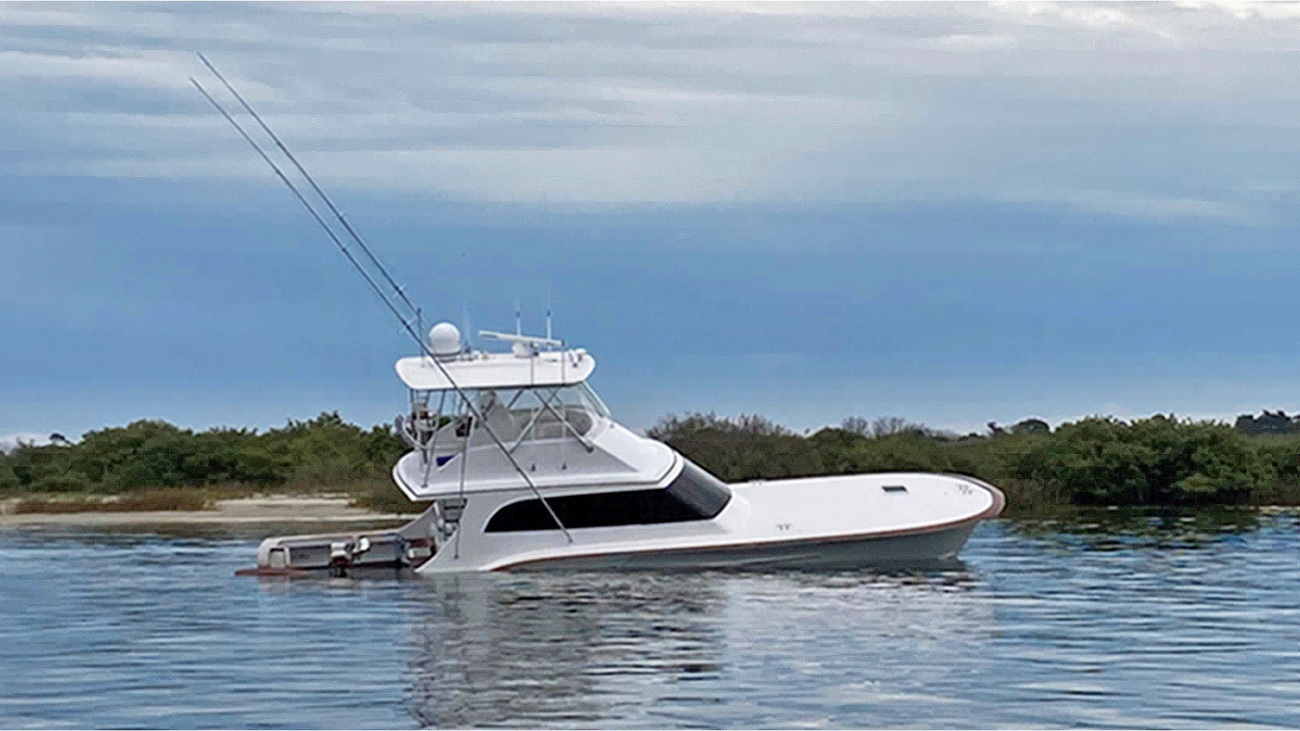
(519, 328)
(464, 321)
(550, 260)
(548, 305)
(406, 320)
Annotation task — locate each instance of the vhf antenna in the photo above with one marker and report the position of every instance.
(406, 320)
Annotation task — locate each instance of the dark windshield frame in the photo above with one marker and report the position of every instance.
(693, 495)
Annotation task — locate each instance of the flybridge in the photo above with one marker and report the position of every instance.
(532, 361)
(497, 370)
(524, 367)
(523, 397)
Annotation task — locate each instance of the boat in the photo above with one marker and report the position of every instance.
(524, 467)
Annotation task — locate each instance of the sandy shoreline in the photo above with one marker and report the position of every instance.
(275, 509)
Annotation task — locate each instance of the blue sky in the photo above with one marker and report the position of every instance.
(954, 213)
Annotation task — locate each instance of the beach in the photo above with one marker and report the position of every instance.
(272, 509)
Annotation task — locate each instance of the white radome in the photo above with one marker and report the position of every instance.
(444, 339)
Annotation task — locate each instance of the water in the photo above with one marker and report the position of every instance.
(1114, 620)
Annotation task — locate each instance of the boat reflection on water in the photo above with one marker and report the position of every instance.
(654, 648)
(490, 651)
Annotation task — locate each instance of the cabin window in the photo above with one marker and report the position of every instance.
(519, 413)
(694, 495)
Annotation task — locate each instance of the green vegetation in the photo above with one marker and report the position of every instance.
(1161, 460)
(154, 465)
(382, 496)
(169, 498)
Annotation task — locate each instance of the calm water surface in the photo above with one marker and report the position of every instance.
(1111, 620)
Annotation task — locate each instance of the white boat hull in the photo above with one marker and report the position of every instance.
(809, 523)
(829, 554)
(822, 523)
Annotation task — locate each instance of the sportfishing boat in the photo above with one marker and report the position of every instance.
(524, 468)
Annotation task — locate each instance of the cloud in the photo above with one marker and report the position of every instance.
(1135, 204)
(1088, 106)
(10, 442)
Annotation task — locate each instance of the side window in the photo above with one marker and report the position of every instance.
(706, 494)
(521, 516)
(693, 495)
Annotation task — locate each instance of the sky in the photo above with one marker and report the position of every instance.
(954, 213)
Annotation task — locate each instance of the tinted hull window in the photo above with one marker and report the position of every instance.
(694, 495)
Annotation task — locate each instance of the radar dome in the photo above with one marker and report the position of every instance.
(444, 340)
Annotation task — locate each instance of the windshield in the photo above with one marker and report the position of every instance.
(525, 414)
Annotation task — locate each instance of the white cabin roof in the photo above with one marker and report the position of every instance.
(498, 370)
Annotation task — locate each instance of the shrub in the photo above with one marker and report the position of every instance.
(8, 480)
(384, 497)
(67, 482)
(165, 499)
(1159, 460)
(743, 448)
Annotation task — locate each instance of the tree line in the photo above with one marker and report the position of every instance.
(1160, 460)
(322, 452)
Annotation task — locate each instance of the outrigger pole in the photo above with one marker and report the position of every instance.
(370, 280)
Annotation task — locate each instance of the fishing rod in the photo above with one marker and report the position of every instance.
(369, 279)
(312, 181)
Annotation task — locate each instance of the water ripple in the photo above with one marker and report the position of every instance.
(1113, 620)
